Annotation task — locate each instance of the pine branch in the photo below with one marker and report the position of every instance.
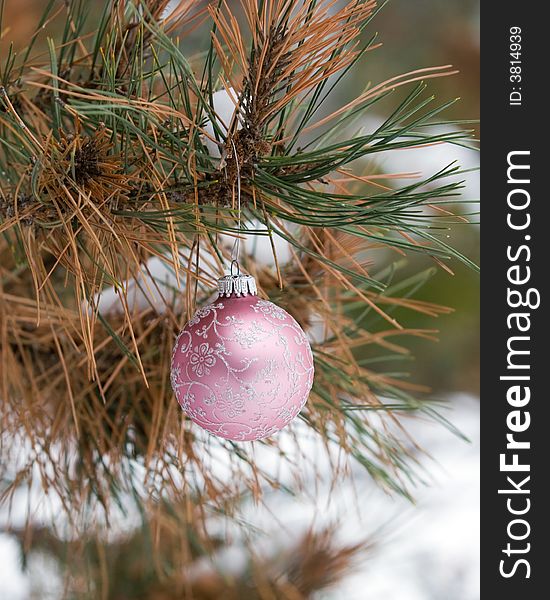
(107, 162)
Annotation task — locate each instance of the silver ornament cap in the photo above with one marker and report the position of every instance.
(237, 285)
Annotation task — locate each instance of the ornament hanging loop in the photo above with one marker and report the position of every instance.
(235, 252)
(236, 284)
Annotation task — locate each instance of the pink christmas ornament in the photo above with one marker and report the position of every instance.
(242, 368)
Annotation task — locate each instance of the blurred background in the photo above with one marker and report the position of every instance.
(427, 551)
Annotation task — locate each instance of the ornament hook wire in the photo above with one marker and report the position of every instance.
(235, 263)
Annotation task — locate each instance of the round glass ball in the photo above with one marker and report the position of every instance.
(242, 368)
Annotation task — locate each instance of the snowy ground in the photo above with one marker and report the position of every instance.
(429, 551)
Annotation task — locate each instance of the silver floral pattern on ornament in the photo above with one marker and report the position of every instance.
(202, 359)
